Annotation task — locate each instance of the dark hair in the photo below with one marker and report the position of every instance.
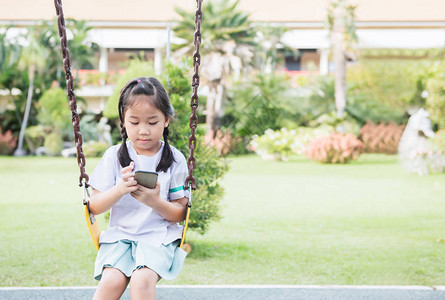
(147, 86)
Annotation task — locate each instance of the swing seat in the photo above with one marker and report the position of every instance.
(93, 226)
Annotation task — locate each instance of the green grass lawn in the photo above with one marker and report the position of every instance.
(299, 222)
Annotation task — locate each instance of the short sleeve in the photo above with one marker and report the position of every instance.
(179, 173)
(104, 175)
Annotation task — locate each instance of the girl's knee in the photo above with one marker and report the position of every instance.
(112, 284)
(113, 278)
(143, 281)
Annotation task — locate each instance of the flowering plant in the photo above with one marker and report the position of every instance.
(430, 159)
(7, 142)
(334, 148)
(381, 138)
(280, 144)
(274, 145)
(424, 162)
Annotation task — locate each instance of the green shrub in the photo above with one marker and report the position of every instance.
(435, 159)
(94, 149)
(258, 105)
(363, 109)
(35, 136)
(53, 111)
(321, 99)
(53, 143)
(360, 105)
(389, 81)
(435, 102)
(178, 87)
(438, 142)
(334, 148)
(210, 167)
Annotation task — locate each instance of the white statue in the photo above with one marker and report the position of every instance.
(414, 146)
(103, 131)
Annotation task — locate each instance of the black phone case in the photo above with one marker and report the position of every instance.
(147, 179)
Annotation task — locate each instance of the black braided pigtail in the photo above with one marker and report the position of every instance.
(167, 154)
(122, 154)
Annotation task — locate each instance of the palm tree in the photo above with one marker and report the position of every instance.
(53, 68)
(82, 49)
(9, 59)
(33, 58)
(227, 36)
(267, 44)
(343, 39)
(43, 51)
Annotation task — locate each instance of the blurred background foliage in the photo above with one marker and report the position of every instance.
(263, 108)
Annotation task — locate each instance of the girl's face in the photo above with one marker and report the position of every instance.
(145, 126)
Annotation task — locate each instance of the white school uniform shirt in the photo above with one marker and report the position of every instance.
(129, 218)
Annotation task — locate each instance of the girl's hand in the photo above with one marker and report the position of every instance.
(128, 183)
(150, 197)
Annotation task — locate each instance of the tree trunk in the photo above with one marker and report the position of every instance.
(339, 59)
(20, 151)
(214, 106)
(210, 107)
(219, 106)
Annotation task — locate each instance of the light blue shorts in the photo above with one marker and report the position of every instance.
(128, 256)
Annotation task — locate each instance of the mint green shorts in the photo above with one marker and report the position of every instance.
(128, 256)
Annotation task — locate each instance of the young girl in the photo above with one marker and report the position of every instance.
(140, 245)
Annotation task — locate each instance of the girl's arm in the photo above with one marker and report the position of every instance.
(173, 211)
(101, 202)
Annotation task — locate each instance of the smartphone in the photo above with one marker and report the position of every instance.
(147, 179)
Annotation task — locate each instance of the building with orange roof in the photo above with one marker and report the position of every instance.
(125, 27)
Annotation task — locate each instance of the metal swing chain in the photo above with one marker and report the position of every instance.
(71, 96)
(190, 180)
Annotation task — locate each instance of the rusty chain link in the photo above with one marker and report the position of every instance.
(70, 88)
(190, 180)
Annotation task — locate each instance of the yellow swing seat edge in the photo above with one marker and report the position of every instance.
(93, 227)
(95, 232)
(185, 226)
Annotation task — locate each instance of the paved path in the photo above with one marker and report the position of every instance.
(243, 292)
